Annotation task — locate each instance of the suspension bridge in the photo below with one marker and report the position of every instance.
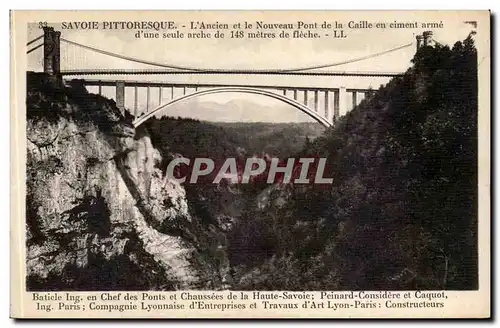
(323, 104)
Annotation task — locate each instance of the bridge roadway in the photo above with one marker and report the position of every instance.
(158, 84)
(223, 72)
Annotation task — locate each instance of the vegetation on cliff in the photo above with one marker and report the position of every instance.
(402, 210)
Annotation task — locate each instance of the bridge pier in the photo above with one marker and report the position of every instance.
(327, 106)
(316, 100)
(342, 101)
(120, 96)
(148, 95)
(136, 99)
(354, 99)
(339, 102)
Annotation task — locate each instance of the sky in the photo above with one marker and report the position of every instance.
(251, 54)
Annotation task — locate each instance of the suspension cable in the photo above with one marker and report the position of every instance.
(358, 58)
(187, 68)
(33, 49)
(34, 40)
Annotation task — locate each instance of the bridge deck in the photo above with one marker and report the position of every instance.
(161, 84)
(221, 72)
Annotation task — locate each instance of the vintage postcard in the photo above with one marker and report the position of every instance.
(250, 164)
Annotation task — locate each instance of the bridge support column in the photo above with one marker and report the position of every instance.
(160, 95)
(99, 88)
(136, 99)
(327, 112)
(306, 102)
(354, 99)
(120, 96)
(339, 105)
(342, 101)
(295, 97)
(316, 100)
(148, 94)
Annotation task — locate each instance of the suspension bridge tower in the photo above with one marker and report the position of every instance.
(51, 51)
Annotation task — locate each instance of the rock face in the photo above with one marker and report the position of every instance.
(99, 213)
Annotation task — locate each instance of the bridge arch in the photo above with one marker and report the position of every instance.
(303, 108)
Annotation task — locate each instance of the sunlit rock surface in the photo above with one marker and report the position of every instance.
(100, 214)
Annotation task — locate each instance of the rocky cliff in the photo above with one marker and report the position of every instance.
(99, 213)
